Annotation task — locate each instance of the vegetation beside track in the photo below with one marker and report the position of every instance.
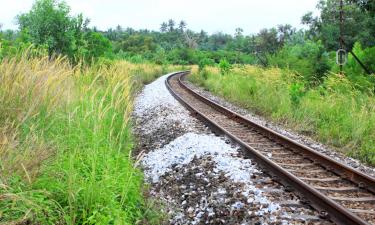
(336, 112)
(65, 142)
(65, 138)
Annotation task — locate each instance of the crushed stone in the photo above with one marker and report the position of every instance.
(159, 118)
(300, 138)
(201, 178)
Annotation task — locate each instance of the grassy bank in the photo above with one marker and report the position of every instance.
(65, 142)
(337, 112)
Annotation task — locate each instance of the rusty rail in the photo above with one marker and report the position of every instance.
(325, 205)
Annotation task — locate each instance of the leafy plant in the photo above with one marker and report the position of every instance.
(308, 59)
(205, 62)
(296, 92)
(224, 66)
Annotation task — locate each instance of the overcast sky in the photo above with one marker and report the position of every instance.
(210, 15)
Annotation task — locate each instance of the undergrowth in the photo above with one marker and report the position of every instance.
(338, 112)
(65, 142)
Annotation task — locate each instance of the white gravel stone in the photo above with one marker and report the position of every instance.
(182, 151)
(305, 140)
(158, 110)
(155, 97)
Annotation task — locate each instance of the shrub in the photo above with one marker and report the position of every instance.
(336, 112)
(355, 72)
(307, 59)
(204, 73)
(224, 66)
(205, 62)
(296, 92)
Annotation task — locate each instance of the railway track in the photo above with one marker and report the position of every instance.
(340, 193)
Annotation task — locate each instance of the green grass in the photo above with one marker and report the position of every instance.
(337, 112)
(66, 142)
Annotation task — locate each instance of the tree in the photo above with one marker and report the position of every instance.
(164, 27)
(49, 24)
(190, 39)
(203, 39)
(307, 58)
(267, 41)
(285, 32)
(95, 46)
(182, 25)
(218, 41)
(359, 23)
(138, 44)
(311, 21)
(238, 32)
(249, 45)
(366, 5)
(171, 25)
(238, 43)
(119, 29)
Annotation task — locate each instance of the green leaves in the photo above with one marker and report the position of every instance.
(205, 62)
(308, 59)
(359, 23)
(224, 66)
(94, 45)
(296, 92)
(50, 24)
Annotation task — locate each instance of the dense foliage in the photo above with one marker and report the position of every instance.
(66, 93)
(49, 25)
(309, 52)
(359, 23)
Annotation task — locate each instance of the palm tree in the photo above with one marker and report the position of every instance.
(119, 28)
(238, 32)
(285, 32)
(182, 25)
(164, 27)
(171, 24)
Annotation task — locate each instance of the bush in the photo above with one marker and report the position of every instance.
(296, 92)
(307, 59)
(205, 62)
(355, 72)
(94, 46)
(224, 66)
(335, 112)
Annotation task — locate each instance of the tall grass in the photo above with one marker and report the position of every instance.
(337, 112)
(65, 142)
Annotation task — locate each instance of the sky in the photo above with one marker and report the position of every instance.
(209, 15)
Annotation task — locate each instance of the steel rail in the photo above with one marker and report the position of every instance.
(328, 207)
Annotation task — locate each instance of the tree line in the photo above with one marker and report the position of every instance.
(310, 52)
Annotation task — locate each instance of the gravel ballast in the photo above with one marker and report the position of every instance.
(201, 178)
(300, 138)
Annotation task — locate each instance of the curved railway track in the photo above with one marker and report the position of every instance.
(338, 192)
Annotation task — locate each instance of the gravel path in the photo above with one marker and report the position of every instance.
(201, 178)
(287, 132)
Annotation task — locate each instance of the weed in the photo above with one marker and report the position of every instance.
(296, 92)
(336, 112)
(65, 142)
(224, 66)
